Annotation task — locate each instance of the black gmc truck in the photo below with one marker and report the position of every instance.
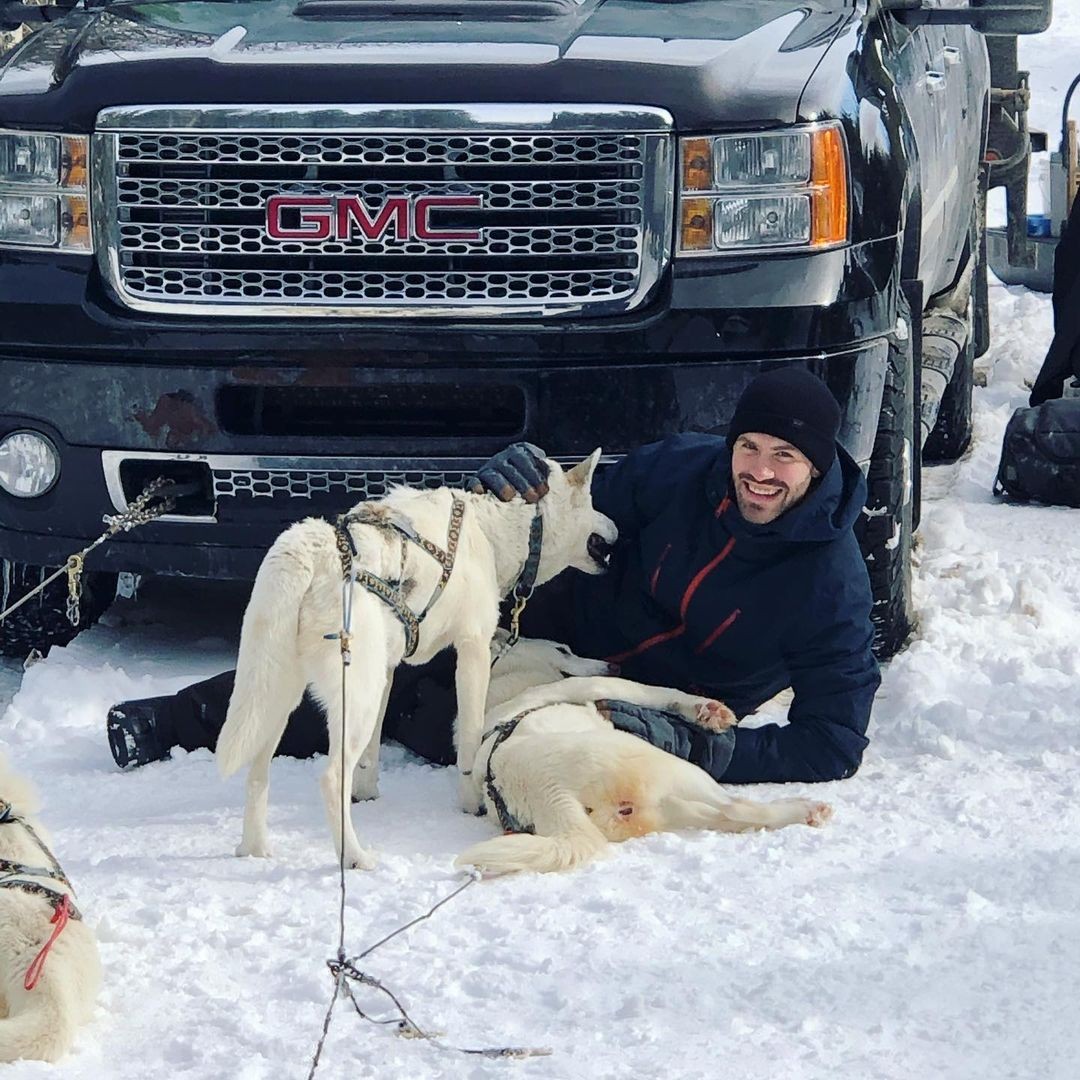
(290, 252)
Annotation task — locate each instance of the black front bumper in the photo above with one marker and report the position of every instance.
(103, 419)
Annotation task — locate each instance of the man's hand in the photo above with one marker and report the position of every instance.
(710, 750)
(520, 469)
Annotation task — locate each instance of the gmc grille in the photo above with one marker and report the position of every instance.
(463, 210)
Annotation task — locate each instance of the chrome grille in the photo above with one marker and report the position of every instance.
(311, 483)
(574, 211)
(252, 194)
(378, 149)
(294, 486)
(211, 239)
(380, 288)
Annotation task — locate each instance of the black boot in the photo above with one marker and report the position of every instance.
(141, 731)
(146, 730)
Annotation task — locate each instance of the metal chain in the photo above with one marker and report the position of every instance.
(139, 512)
(74, 569)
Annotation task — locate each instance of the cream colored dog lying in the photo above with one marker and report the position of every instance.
(561, 770)
(38, 1017)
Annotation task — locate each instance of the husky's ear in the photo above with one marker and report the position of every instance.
(582, 473)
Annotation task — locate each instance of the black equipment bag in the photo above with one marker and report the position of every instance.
(1040, 455)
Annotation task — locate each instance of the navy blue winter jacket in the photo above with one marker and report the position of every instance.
(699, 598)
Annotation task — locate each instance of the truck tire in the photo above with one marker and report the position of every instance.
(952, 429)
(43, 622)
(885, 527)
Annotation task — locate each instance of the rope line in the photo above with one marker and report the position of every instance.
(472, 880)
(343, 969)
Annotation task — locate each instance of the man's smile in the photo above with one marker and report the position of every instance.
(760, 490)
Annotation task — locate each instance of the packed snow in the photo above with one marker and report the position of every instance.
(929, 931)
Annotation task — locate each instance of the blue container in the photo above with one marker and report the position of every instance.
(1038, 225)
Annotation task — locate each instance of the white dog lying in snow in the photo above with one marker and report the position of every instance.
(561, 770)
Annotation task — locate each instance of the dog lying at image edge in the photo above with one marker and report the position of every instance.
(38, 1023)
(295, 611)
(567, 775)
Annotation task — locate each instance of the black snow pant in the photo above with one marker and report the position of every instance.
(419, 712)
(1063, 357)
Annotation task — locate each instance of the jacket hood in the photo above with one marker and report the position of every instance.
(828, 511)
(706, 61)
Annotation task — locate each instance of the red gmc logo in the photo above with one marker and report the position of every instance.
(338, 217)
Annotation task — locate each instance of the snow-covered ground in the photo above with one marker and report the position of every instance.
(929, 931)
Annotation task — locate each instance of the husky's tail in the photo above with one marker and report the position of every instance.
(541, 854)
(40, 1025)
(266, 665)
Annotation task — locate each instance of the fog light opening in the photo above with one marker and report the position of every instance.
(29, 464)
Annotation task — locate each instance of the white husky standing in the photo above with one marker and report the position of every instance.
(38, 1022)
(296, 609)
(561, 770)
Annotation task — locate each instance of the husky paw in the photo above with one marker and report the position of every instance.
(255, 849)
(365, 788)
(714, 715)
(817, 813)
(360, 859)
(470, 795)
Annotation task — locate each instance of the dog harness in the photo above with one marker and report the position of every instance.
(391, 592)
(508, 822)
(14, 875)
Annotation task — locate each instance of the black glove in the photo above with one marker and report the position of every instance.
(520, 469)
(710, 750)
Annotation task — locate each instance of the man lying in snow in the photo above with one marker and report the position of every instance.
(736, 575)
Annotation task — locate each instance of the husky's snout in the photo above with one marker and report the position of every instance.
(600, 550)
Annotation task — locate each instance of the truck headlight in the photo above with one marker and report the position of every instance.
(43, 191)
(29, 464)
(753, 191)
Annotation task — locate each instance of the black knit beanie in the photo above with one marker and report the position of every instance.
(793, 405)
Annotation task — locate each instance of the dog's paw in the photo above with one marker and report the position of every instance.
(359, 858)
(817, 813)
(365, 782)
(714, 715)
(470, 795)
(253, 849)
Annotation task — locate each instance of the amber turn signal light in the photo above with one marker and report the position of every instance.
(73, 162)
(697, 165)
(75, 222)
(696, 225)
(829, 187)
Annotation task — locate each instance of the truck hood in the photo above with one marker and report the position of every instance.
(708, 62)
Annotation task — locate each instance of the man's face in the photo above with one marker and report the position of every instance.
(770, 476)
